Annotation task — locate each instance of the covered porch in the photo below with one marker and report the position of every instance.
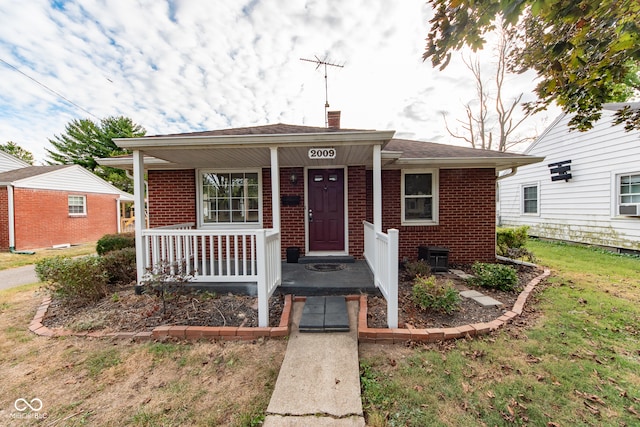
(223, 255)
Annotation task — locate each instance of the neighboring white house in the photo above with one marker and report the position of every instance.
(587, 190)
(9, 163)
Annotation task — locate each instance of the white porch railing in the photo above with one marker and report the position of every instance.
(381, 253)
(218, 256)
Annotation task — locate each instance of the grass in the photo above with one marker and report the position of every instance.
(576, 365)
(9, 260)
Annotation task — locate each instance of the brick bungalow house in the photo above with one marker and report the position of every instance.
(226, 198)
(44, 206)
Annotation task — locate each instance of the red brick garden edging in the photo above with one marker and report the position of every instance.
(365, 334)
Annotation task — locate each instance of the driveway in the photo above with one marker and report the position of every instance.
(13, 277)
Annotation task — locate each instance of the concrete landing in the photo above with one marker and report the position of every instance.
(319, 381)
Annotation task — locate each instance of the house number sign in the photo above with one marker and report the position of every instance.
(322, 153)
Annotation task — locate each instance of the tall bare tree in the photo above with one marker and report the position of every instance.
(482, 127)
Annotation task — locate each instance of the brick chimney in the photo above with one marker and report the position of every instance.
(333, 119)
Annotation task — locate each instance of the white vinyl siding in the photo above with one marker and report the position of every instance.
(230, 198)
(419, 197)
(584, 209)
(77, 205)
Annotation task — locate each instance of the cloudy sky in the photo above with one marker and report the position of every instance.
(192, 65)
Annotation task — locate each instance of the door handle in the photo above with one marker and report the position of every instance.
(310, 215)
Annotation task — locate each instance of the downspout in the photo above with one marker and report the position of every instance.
(12, 225)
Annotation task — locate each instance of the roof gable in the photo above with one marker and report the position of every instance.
(61, 178)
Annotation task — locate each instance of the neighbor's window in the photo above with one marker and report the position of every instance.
(629, 189)
(77, 205)
(419, 197)
(230, 197)
(530, 199)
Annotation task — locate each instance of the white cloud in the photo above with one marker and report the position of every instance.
(190, 65)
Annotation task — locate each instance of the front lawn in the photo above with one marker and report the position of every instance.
(572, 359)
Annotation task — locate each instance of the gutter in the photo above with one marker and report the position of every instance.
(514, 170)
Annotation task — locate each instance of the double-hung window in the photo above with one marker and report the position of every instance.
(77, 205)
(530, 199)
(231, 198)
(419, 197)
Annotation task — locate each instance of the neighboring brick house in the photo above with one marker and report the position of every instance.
(44, 206)
(330, 181)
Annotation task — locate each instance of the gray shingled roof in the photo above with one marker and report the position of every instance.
(28, 172)
(430, 150)
(275, 129)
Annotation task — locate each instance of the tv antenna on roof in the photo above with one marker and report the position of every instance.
(324, 62)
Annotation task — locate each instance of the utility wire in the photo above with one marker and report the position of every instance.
(49, 89)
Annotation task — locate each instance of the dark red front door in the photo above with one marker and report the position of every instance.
(326, 209)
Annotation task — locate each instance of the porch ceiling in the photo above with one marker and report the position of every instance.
(253, 157)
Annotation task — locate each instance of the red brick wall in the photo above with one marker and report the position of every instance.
(172, 197)
(357, 209)
(466, 215)
(42, 218)
(4, 219)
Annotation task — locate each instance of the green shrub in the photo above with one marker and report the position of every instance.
(120, 266)
(114, 242)
(428, 293)
(76, 280)
(417, 268)
(511, 242)
(497, 276)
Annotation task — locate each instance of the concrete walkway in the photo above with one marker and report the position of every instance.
(319, 381)
(18, 276)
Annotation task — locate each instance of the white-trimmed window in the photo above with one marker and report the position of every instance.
(77, 205)
(230, 198)
(629, 194)
(419, 197)
(530, 199)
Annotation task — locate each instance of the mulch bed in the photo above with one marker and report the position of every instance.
(470, 311)
(124, 311)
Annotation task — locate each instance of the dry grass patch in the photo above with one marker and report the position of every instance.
(84, 381)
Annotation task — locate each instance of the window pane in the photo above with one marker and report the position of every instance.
(530, 198)
(416, 184)
(418, 208)
(228, 197)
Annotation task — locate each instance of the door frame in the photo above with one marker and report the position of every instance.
(345, 183)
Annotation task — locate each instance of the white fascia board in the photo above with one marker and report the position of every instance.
(127, 162)
(258, 140)
(473, 162)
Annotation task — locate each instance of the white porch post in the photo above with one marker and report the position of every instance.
(377, 188)
(138, 205)
(275, 188)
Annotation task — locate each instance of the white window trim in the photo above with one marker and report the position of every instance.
(522, 187)
(435, 188)
(231, 225)
(84, 205)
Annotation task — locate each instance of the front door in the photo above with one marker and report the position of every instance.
(326, 209)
